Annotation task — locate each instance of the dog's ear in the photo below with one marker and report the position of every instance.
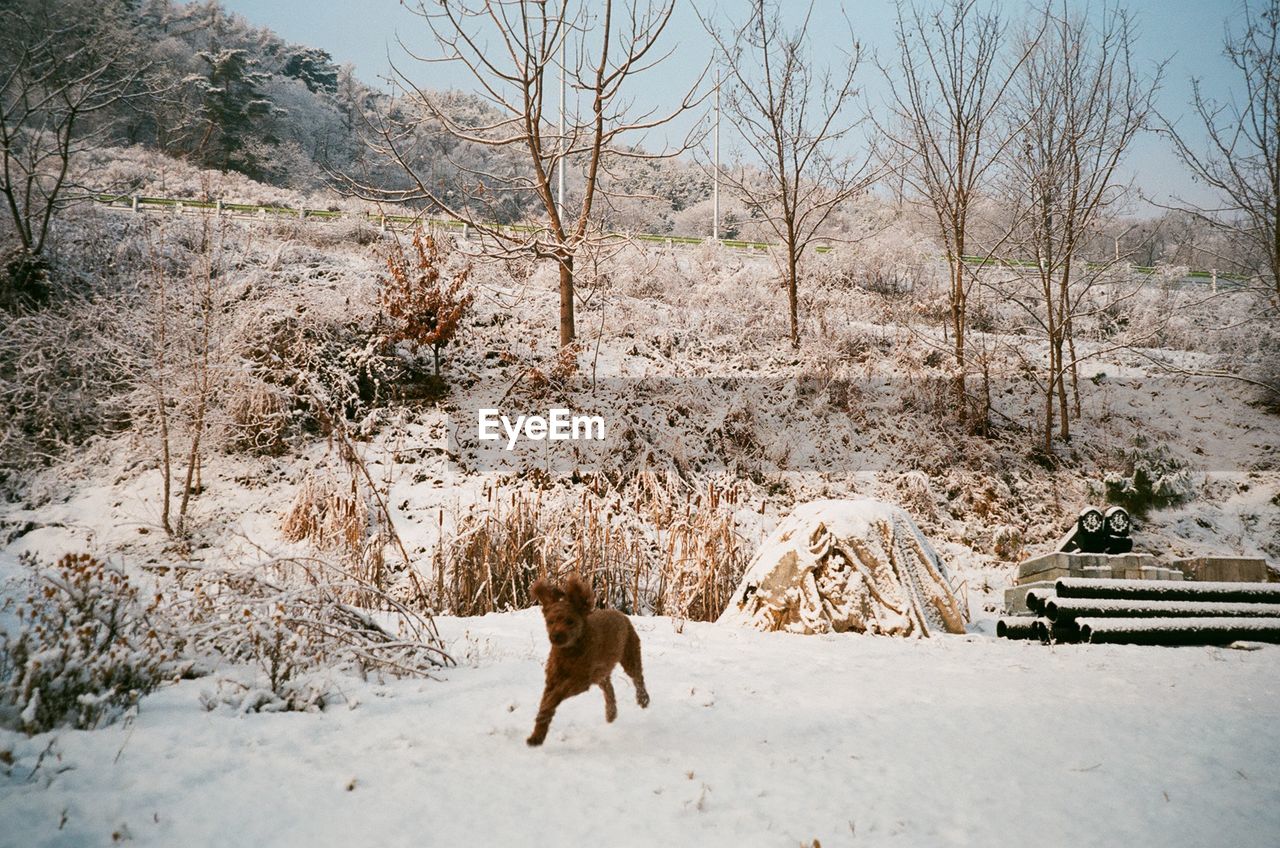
(579, 594)
(544, 593)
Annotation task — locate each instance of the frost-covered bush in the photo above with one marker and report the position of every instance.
(1266, 370)
(24, 279)
(292, 622)
(85, 648)
(149, 173)
(1151, 478)
(59, 381)
(260, 419)
(287, 655)
(892, 262)
(1255, 355)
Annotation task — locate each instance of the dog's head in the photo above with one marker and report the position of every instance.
(565, 608)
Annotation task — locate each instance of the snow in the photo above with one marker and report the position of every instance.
(838, 565)
(1192, 590)
(752, 739)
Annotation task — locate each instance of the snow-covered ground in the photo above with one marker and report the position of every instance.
(751, 739)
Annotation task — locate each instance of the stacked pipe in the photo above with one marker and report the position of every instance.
(1148, 612)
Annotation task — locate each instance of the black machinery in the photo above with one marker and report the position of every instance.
(1098, 532)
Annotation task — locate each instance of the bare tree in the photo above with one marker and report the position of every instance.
(948, 130)
(514, 50)
(797, 116)
(59, 69)
(1086, 103)
(1241, 159)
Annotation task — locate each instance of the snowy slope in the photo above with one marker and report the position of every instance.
(752, 739)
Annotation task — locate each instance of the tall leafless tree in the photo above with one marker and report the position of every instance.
(514, 50)
(797, 117)
(1240, 160)
(948, 130)
(1086, 101)
(61, 66)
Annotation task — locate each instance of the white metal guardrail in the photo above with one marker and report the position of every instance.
(139, 203)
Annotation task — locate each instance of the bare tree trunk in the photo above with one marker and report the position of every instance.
(201, 386)
(958, 321)
(158, 376)
(1237, 154)
(1063, 323)
(565, 262)
(1048, 419)
(1075, 368)
(1064, 412)
(166, 463)
(193, 457)
(793, 304)
(784, 104)
(614, 43)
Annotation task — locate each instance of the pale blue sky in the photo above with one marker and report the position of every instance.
(1188, 33)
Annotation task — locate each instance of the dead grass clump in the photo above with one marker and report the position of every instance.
(330, 515)
(704, 558)
(653, 551)
(916, 496)
(338, 519)
(259, 418)
(493, 559)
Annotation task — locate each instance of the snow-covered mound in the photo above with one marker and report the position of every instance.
(847, 565)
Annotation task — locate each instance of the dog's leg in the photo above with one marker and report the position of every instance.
(551, 698)
(634, 668)
(610, 703)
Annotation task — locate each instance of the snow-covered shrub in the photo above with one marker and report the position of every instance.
(1255, 355)
(86, 648)
(59, 381)
(316, 366)
(260, 420)
(1006, 542)
(287, 654)
(146, 172)
(892, 262)
(916, 496)
(291, 620)
(24, 279)
(1151, 478)
(1266, 370)
(308, 692)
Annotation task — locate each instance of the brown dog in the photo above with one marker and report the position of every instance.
(585, 646)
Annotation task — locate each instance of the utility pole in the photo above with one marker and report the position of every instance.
(715, 183)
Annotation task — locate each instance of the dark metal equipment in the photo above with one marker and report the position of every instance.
(1097, 532)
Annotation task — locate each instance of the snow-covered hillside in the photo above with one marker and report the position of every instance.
(321, 442)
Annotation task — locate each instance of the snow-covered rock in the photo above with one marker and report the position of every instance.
(847, 565)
